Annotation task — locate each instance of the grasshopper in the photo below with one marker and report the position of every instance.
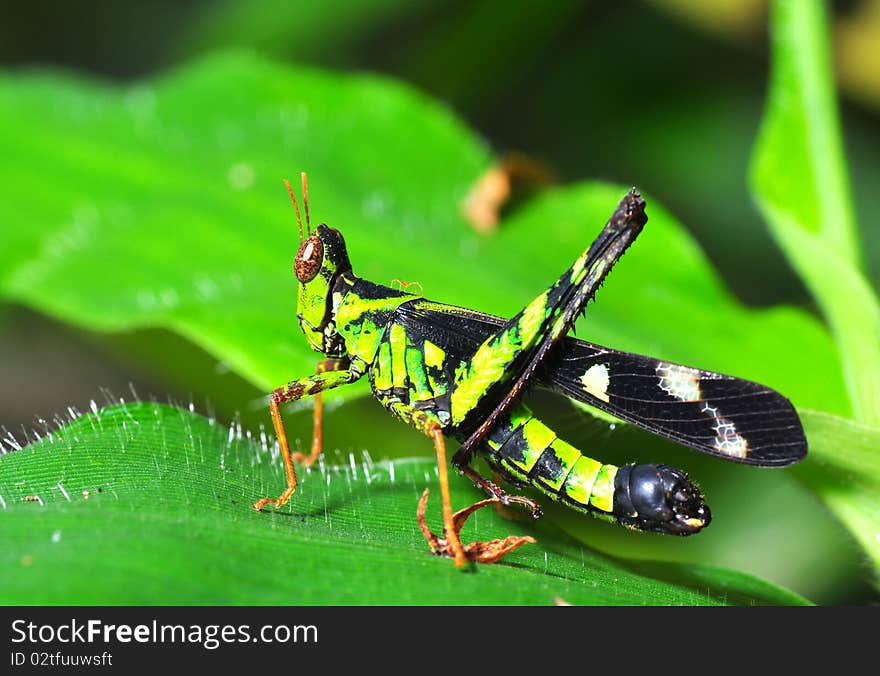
(454, 372)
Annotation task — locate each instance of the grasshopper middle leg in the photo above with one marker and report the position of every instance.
(497, 494)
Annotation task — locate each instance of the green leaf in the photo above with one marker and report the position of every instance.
(799, 178)
(844, 471)
(160, 205)
(146, 503)
(175, 187)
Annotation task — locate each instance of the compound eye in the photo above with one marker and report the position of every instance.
(308, 259)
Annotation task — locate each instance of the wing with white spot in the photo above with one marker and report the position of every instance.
(728, 417)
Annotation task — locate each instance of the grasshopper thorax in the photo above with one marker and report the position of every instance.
(321, 260)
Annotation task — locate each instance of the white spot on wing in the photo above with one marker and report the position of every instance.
(595, 381)
(727, 439)
(681, 382)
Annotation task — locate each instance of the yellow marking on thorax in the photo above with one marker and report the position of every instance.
(434, 355)
(382, 368)
(397, 339)
(354, 308)
(368, 341)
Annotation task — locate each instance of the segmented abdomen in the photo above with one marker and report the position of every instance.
(524, 448)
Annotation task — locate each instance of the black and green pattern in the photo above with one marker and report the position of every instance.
(432, 364)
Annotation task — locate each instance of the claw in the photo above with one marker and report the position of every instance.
(276, 503)
(504, 509)
(305, 460)
(309, 459)
(480, 552)
(262, 502)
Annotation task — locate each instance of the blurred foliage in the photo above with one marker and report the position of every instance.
(677, 112)
(327, 30)
(579, 85)
(728, 19)
(846, 474)
(856, 37)
(800, 180)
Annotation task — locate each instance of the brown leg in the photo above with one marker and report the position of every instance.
(282, 499)
(454, 542)
(450, 542)
(497, 494)
(318, 418)
(294, 390)
(506, 512)
(481, 552)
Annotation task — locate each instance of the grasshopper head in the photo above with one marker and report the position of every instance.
(321, 258)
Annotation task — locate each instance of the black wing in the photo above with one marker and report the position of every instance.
(721, 415)
(728, 417)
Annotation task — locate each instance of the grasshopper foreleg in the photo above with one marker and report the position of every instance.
(297, 389)
(324, 366)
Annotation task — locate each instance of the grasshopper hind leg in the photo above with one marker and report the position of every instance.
(449, 543)
(482, 552)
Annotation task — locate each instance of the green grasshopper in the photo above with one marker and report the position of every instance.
(454, 372)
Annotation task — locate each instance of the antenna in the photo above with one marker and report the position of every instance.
(305, 187)
(296, 206)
